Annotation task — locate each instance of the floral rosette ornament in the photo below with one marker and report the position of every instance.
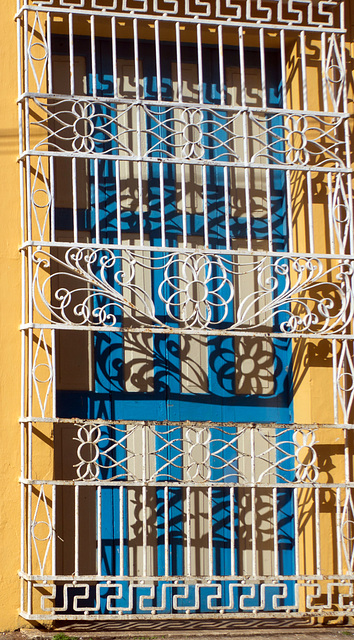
(196, 289)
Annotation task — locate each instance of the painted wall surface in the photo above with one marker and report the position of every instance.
(313, 367)
(10, 316)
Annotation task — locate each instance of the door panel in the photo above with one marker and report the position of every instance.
(186, 208)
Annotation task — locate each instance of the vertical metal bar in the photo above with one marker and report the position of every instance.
(22, 56)
(52, 198)
(254, 531)
(275, 528)
(23, 339)
(23, 510)
(227, 208)
(144, 531)
(184, 208)
(232, 530)
(317, 533)
(99, 529)
(346, 457)
(136, 60)
(145, 452)
(114, 56)
(242, 66)
(28, 183)
(54, 531)
(269, 210)
(296, 530)
(119, 203)
(144, 489)
(74, 190)
(188, 530)
(30, 373)
(339, 532)
(97, 201)
(289, 211)
(210, 531)
(347, 135)
(283, 67)
(200, 62)
(205, 207)
(263, 68)
(93, 55)
(141, 201)
(310, 212)
(330, 204)
(245, 138)
(76, 529)
(158, 60)
(179, 62)
(303, 69)
(221, 64)
(253, 504)
(121, 530)
(323, 69)
(166, 532)
(350, 206)
(49, 51)
(22, 191)
(335, 380)
(54, 373)
(342, 14)
(162, 204)
(138, 126)
(71, 54)
(26, 51)
(29, 544)
(343, 49)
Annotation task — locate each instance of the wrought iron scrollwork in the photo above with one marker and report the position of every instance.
(198, 289)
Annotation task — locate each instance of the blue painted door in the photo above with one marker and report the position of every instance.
(157, 387)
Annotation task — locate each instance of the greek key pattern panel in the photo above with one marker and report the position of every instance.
(258, 11)
(154, 597)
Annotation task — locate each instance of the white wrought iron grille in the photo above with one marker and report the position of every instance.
(187, 259)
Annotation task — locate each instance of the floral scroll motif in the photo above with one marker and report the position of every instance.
(306, 456)
(98, 277)
(86, 126)
(192, 134)
(198, 290)
(200, 452)
(304, 140)
(104, 451)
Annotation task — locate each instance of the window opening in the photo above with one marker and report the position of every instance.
(185, 234)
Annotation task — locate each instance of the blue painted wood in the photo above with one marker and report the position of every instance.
(110, 400)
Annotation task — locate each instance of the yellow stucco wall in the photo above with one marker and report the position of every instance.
(311, 404)
(10, 315)
(312, 364)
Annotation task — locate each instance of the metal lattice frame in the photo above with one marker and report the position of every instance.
(308, 287)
